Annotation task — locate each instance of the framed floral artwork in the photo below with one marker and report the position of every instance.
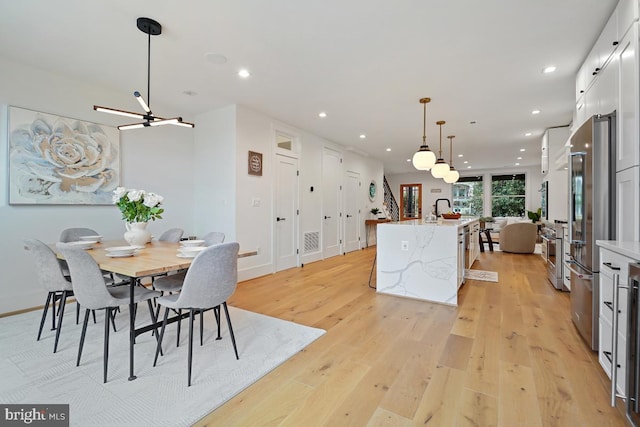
(61, 161)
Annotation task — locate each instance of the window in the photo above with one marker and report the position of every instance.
(508, 195)
(468, 195)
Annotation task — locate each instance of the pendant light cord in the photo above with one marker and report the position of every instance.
(424, 125)
(440, 151)
(149, 71)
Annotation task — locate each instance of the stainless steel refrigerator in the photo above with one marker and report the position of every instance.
(591, 216)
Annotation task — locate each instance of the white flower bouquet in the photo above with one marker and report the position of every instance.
(138, 205)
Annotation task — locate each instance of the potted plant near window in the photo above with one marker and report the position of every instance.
(535, 216)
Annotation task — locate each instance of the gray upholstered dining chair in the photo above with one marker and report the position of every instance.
(213, 238)
(73, 234)
(209, 282)
(172, 235)
(51, 277)
(92, 293)
(172, 283)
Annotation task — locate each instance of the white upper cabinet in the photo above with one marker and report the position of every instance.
(627, 14)
(627, 147)
(599, 55)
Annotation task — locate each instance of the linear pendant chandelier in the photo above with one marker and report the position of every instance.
(151, 28)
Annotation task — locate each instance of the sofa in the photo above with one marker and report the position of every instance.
(519, 238)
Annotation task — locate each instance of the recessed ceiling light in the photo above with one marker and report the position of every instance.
(322, 114)
(517, 164)
(388, 149)
(519, 158)
(527, 134)
(460, 155)
(523, 149)
(244, 73)
(549, 69)
(363, 136)
(465, 162)
(408, 160)
(468, 167)
(535, 112)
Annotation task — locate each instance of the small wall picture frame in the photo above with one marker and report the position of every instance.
(255, 163)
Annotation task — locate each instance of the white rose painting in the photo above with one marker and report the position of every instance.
(57, 160)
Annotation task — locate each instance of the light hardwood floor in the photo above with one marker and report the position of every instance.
(508, 355)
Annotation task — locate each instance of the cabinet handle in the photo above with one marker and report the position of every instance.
(614, 337)
(280, 219)
(613, 267)
(327, 217)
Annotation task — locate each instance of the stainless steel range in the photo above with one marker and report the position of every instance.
(552, 239)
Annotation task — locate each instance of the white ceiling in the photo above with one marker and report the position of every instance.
(366, 63)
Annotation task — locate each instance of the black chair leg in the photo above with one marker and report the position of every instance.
(63, 302)
(154, 319)
(233, 338)
(216, 312)
(94, 316)
(112, 317)
(77, 312)
(190, 346)
(84, 332)
(164, 325)
(107, 316)
(201, 325)
(44, 315)
(179, 323)
(53, 311)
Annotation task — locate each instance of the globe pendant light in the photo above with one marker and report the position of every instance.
(453, 175)
(441, 168)
(424, 158)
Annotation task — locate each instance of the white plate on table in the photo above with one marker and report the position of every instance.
(122, 254)
(88, 244)
(121, 250)
(191, 243)
(97, 238)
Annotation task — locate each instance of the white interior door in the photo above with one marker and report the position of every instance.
(351, 212)
(286, 212)
(331, 190)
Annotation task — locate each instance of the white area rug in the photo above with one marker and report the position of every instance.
(486, 276)
(31, 373)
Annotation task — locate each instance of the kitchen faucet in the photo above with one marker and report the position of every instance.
(438, 200)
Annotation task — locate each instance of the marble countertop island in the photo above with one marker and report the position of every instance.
(422, 260)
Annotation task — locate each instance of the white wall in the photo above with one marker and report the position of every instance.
(214, 173)
(157, 159)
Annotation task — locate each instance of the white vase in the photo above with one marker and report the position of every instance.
(137, 233)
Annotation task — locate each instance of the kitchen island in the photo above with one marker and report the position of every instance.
(425, 261)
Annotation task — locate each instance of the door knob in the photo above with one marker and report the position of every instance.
(280, 219)
(349, 216)
(326, 217)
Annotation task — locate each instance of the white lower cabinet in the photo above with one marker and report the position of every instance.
(614, 275)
